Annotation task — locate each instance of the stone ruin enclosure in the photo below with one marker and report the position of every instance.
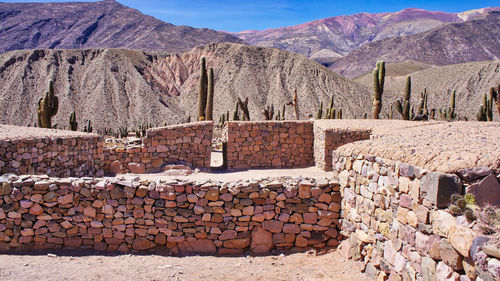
(382, 201)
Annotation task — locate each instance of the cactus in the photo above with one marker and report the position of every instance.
(403, 106)
(319, 115)
(47, 108)
(73, 125)
(485, 112)
(236, 114)
(339, 113)
(244, 109)
(269, 112)
(449, 112)
(422, 107)
(278, 116)
(378, 85)
(87, 127)
(142, 130)
(122, 132)
(495, 95)
(295, 104)
(283, 112)
(210, 96)
(391, 114)
(202, 90)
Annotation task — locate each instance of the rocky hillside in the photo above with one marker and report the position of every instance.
(328, 39)
(475, 40)
(470, 80)
(121, 87)
(102, 24)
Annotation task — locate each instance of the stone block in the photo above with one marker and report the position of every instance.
(437, 188)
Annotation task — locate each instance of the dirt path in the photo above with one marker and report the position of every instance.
(92, 266)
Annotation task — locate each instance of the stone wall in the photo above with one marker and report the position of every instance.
(62, 154)
(182, 216)
(327, 140)
(188, 144)
(395, 225)
(269, 144)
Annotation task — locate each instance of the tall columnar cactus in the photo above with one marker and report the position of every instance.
(422, 107)
(319, 115)
(236, 114)
(403, 107)
(73, 125)
(295, 104)
(202, 90)
(47, 107)
(485, 112)
(210, 96)
(449, 112)
(87, 127)
(339, 113)
(495, 94)
(331, 111)
(244, 109)
(378, 86)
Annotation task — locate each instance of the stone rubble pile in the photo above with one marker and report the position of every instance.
(207, 217)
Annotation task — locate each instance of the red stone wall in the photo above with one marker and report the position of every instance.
(189, 144)
(213, 218)
(269, 144)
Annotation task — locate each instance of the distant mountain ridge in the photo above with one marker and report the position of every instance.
(102, 24)
(474, 40)
(335, 37)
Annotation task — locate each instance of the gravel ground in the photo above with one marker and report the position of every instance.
(92, 266)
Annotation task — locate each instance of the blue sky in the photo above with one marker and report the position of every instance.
(239, 15)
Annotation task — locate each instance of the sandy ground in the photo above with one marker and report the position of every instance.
(92, 266)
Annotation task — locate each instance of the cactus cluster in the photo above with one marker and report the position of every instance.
(47, 108)
(378, 86)
(122, 132)
(268, 112)
(331, 111)
(485, 112)
(205, 92)
(449, 112)
(73, 125)
(245, 116)
(422, 105)
(140, 132)
(87, 127)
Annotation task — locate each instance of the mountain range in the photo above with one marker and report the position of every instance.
(328, 39)
(118, 67)
(101, 24)
(116, 87)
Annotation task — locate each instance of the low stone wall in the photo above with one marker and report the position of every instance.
(52, 152)
(188, 144)
(269, 144)
(327, 140)
(395, 228)
(182, 216)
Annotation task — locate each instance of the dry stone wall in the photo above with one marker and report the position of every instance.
(269, 144)
(327, 140)
(190, 217)
(188, 144)
(60, 156)
(396, 228)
